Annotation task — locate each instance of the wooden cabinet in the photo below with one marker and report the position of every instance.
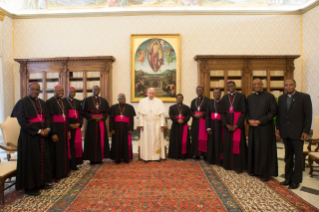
(80, 72)
(216, 70)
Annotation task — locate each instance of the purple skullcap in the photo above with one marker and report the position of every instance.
(200, 86)
(58, 85)
(71, 87)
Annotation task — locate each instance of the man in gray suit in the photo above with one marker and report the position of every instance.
(293, 126)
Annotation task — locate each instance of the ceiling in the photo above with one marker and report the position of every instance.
(89, 8)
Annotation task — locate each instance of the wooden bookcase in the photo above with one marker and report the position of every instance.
(81, 72)
(216, 70)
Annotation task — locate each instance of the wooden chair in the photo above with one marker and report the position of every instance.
(11, 130)
(139, 138)
(310, 147)
(313, 156)
(8, 169)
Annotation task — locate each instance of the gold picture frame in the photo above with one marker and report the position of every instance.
(156, 63)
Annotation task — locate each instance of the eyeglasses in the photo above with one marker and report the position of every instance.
(34, 89)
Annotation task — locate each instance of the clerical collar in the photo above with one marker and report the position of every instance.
(290, 95)
(217, 100)
(56, 98)
(233, 93)
(257, 93)
(70, 99)
(33, 98)
(95, 96)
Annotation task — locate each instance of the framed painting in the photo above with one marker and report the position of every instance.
(155, 63)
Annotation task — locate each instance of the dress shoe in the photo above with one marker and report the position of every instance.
(251, 174)
(117, 162)
(264, 178)
(197, 157)
(56, 180)
(32, 192)
(239, 171)
(46, 186)
(75, 168)
(293, 186)
(285, 183)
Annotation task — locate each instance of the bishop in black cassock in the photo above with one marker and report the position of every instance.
(121, 127)
(179, 140)
(262, 149)
(59, 136)
(233, 109)
(199, 133)
(75, 119)
(34, 168)
(96, 142)
(215, 130)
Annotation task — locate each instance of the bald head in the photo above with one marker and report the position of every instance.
(71, 92)
(151, 93)
(121, 98)
(34, 90)
(257, 85)
(290, 86)
(58, 91)
(96, 90)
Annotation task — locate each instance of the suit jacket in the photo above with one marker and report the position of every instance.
(298, 119)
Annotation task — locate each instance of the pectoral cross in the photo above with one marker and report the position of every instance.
(215, 115)
(76, 116)
(198, 108)
(180, 115)
(63, 116)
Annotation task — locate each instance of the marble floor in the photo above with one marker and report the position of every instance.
(311, 182)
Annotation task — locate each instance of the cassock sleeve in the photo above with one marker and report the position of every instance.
(271, 113)
(278, 114)
(107, 110)
(172, 115)
(191, 110)
(208, 112)
(112, 115)
(131, 127)
(81, 115)
(247, 114)
(19, 113)
(85, 109)
(187, 117)
(53, 128)
(307, 106)
(241, 120)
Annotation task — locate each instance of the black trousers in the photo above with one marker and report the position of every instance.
(293, 159)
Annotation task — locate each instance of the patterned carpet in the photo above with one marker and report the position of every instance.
(159, 186)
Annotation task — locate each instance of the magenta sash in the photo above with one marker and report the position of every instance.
(61, 119)
(218, 116)
(236, 133)
(78, 134)
(185, 136)
(102, 122)
(39, 118)
(202, 134)
(129, 136)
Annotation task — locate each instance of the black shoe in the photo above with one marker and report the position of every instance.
(205, 158)
(293, 186)
(117, 162)
(285, 183)
(56, 180)
(46, 186)
(32, 192)
(251, 174)
(239, 171)
(126, 161)
(264, 178)
(75, 168)
(197, 157)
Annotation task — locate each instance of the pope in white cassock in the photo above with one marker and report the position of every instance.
(151, 119)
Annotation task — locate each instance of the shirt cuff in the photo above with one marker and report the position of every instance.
(39, 131)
